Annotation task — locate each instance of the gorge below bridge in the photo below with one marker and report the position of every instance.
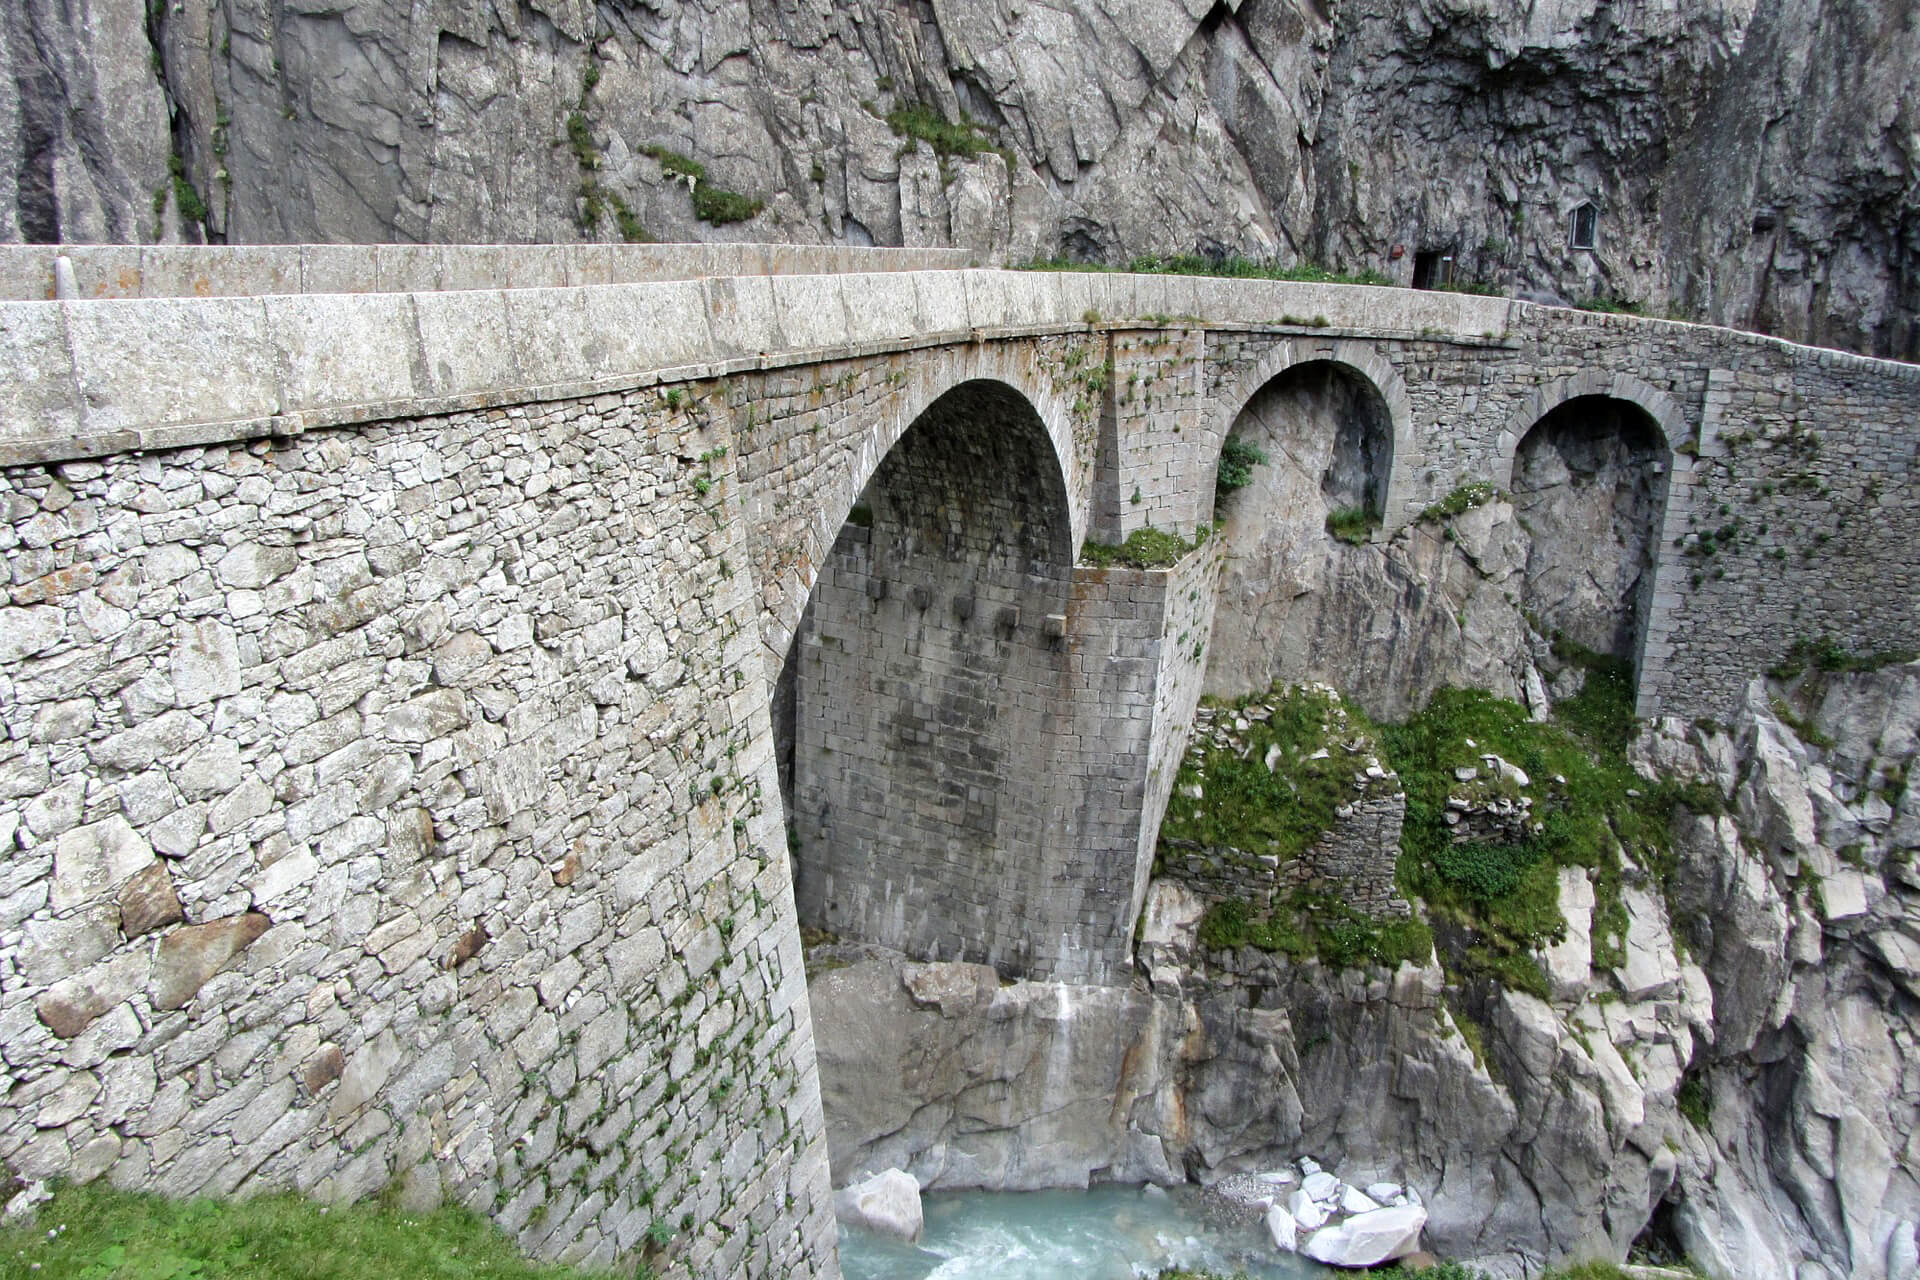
(433, 707)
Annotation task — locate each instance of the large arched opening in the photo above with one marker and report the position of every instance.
(1589, 482)
(1324, 433)
(914, 715)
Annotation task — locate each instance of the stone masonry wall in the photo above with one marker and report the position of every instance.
(398, 803)
(1812, 452)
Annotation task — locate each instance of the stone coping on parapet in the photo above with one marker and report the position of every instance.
(27, 272)
(88, 378)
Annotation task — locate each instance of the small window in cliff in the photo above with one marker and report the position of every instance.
(1432, 268)
(1583, 226)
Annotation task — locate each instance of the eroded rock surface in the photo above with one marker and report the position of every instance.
(1738, 1083)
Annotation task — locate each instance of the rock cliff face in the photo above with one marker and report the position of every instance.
(1750, 161)
(1732, 1077)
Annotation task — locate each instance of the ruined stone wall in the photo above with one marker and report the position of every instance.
(397, 803)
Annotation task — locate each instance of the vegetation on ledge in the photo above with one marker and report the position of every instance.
(1353, 525)
(1460, 501)
(98, 1233)
(1317, 925)
(918, 122)
(1226, 797)
(1147, 548)
(1831, 657)
(711, 204)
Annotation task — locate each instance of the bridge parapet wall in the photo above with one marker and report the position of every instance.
(30, 273)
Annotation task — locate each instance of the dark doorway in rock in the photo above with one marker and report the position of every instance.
(1590, 483)
(921, 689)
(1432, 268)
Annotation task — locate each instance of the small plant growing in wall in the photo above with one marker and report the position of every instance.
(1238, 458)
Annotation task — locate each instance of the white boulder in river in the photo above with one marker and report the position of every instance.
(1368, 1239)
(887, 1204)
(1283, 1229)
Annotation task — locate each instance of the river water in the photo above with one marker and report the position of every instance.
(1108, 1233)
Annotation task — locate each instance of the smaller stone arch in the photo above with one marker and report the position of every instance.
(1580, 415)
(1657, 404)
(1366, 362)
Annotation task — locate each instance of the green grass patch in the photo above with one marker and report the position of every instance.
(719, 206)
(1246, 806)
(1462, 500)
(1353, 525)
(101, 1234)
(1317, 925)
(1507, 893)
(1828, 655)
(1231, 267)
(711, 204)
(1147, 548)
(918, 122)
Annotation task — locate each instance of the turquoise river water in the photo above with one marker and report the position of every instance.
(1108, 1233)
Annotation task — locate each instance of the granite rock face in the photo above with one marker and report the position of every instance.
(1749, 160)
(1734, 1079)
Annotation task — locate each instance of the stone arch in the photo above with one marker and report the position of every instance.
(937, 374)
(1657, 404)
(1370, 366)
(1588, 463)
(923, 691)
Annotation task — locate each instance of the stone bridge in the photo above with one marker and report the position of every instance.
(427, 701)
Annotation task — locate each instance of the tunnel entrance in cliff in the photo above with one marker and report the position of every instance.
(1326, 434)
(1590, 486)
(914, 714)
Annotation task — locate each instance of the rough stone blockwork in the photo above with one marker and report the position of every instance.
(398, 803)
(1789, 510)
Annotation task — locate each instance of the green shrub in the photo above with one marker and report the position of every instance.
(1695, 1101)
(1238, 458)
(718, 206)
(185, 194)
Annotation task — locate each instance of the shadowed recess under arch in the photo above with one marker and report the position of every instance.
(1589, 479)
(923, 669)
